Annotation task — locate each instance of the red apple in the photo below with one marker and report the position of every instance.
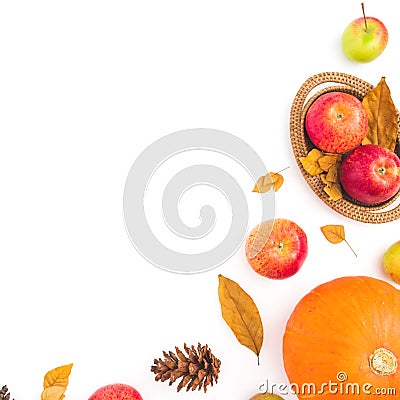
(116, 391)
(336, 122)
(370, 174)
(276, 248)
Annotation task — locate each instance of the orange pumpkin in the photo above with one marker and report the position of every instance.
(342, 341)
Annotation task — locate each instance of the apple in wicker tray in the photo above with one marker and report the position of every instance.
(370, 174)
(336, 122)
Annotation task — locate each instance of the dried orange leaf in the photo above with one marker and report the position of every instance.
(278, 181)
(335, 234)
(266, 182)
(382, 116)
(333, 174)
(241, 314)
(334, 192)
(329, 160)
(56, 382)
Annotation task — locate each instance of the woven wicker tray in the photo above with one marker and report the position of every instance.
(311, 89)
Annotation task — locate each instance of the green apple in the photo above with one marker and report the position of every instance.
(364, 39)
(391, 262)
(266, 396)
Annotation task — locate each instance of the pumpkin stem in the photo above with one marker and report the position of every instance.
(383, 362)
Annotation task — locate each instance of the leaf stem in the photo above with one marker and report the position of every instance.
(258, 359)
(365, 19)
(350, 247)
(284, 169)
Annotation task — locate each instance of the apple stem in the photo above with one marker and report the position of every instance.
(365, 19)
(350, 247)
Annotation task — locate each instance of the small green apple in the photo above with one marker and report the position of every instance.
(266, 396)
(391, 262)
(364, 39)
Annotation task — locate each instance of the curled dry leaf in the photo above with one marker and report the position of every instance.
(335, 234)
(326, 165)
(266, 182)
(328, 161)
(241, 314)
(334, 191)
(56, 382)
(310, 162)
(382, 116)
(333, 174)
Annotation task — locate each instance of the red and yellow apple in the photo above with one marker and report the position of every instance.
(370, 174)
(391, 262)
(116, 391)
(364, 39)
(266, 396)
(336, 122)
(276, 248)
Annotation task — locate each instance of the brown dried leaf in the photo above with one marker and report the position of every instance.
(310, 162)
(329, 160)
(56, 382)
(334, 192)
(266, 182)
(382, 116)
(241, 314)
(333, 233)
(333, 174)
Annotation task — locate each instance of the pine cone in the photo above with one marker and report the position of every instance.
(4, 393)
(198, 370)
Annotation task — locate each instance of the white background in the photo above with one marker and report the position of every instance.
(85, 87)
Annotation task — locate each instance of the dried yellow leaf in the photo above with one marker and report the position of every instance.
(314, 155)
(333, 233)
(56, 382)
(310, 162)
(266, 182)
(329, 160)
(334, 192)
(312, 167)
(382, 116)
(241, 314)
(325, 181)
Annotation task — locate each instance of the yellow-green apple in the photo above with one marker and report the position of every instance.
(391, 261)
(336, 122)
(276, 248)
(364, 39)
(266, 396)
(370, 174)
(116, 391)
